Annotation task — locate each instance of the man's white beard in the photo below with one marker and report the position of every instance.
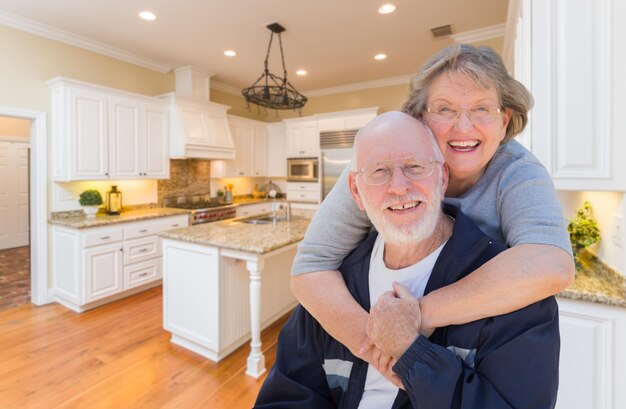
(409, 233)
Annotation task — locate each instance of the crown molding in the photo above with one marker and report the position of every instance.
(385, 82)
(482, 34)
(43, 30)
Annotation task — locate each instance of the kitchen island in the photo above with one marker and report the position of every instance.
(224, 282)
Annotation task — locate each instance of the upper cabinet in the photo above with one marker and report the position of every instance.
(277, 150)
(101, 133)
(250, 141)
(345, 120)
(570, 55)
(303, 138)
(198, 129)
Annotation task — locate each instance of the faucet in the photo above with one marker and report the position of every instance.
(287, 207)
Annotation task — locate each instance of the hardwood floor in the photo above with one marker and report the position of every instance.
(116, 356)
(14, 277)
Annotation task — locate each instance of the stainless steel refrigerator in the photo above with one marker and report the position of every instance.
(336, 154)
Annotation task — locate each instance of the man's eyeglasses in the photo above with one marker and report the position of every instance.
(381, 172)
(446, 114)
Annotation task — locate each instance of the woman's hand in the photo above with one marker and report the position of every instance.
(394, 322)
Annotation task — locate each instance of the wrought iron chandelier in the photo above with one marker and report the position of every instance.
(272, 91)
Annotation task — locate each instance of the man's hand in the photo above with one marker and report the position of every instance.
(394, 321)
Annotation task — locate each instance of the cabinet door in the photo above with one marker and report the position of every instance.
(156, 163)
(566, 53)
(88, 126)
(125, 138)
(310, 143)
(244, 145)
(277, 150)
(103, 269)
(303, 139)
(260, 151)
(591, 373)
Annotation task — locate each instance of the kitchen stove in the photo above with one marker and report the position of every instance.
(202, 210)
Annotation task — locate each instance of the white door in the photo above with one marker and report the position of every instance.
(14, 210)
(103, 268)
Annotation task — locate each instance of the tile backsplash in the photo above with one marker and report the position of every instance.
(187, 177)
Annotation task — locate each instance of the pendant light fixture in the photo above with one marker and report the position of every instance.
(272, 91)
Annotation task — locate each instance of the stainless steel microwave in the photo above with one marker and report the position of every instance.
(302, 169)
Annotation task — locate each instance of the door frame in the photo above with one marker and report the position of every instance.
(38, 207)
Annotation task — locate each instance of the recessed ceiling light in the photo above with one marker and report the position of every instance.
(380, 56)
(386, 9)
(147, 15)
(230, 53)
(301, 72)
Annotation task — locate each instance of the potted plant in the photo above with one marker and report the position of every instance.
(583, 231)
(90, 200)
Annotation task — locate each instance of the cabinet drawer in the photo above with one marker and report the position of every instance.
(142, 273)
(104, 236)
(168, 223)
(303, 196)
(310, 187)
(141, 249)
(134, 231)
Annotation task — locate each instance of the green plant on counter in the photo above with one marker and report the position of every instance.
(90, 197)
(583, 231)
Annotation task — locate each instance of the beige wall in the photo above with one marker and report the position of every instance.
(387, 98)
(14, 127)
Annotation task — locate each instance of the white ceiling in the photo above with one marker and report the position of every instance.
(334, 40)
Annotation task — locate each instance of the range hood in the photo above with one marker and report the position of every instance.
(198, 128)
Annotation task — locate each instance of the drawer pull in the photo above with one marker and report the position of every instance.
(143, 250)
(105, 237)
(143, 231)
(302, 195)
(145, 273)
(175, 225)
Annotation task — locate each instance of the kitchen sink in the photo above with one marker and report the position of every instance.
(260, 220)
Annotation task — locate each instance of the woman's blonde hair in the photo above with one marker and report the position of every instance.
(485, 67)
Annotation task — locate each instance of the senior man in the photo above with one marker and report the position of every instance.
(508, 361)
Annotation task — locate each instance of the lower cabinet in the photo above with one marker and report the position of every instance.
(97, 265)
(592, 369)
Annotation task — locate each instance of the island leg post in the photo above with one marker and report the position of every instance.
(256, 360)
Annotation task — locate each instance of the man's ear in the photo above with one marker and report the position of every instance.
(356, 195)
(445, 177)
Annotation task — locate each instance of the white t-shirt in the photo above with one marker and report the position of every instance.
(379, 393)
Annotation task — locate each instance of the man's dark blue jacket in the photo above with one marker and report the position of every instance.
(507, 361)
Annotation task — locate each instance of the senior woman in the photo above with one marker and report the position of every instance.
(475, 109)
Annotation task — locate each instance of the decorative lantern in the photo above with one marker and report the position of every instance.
(114, 201)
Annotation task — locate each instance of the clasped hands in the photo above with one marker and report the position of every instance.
(394, 323)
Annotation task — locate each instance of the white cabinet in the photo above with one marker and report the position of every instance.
(277, 150)
(303, 139)
(138, 139)
(250, 141)
(303, 192)
(345, 120)
(570, 55)
(93, 266)
(592, 373)
(101, 133)
(103, 271)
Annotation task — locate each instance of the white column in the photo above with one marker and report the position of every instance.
(256, 360)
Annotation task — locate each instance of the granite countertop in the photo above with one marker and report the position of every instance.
(236, 235)
(596, 282)
(77, 219)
